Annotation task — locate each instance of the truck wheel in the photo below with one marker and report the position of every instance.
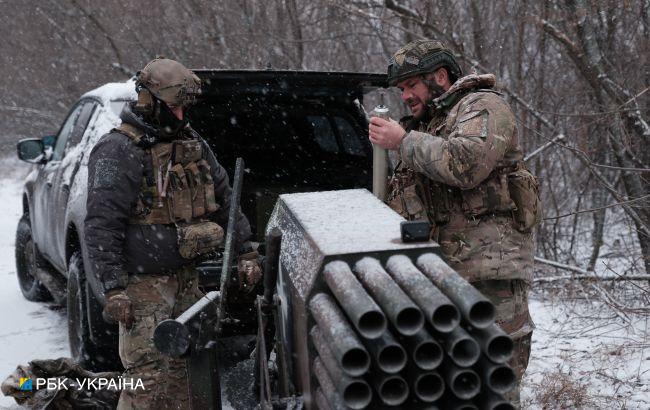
(27, 258)
(95, 354)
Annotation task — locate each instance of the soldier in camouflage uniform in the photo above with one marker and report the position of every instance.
(157, 201)
(460, 167)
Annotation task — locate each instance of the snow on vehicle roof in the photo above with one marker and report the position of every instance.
(114, 92)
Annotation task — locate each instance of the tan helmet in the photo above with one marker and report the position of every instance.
(421, 57)
(169, 81)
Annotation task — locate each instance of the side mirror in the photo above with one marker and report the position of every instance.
(31, 150)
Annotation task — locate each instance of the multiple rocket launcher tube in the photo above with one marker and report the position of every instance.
(356, 345)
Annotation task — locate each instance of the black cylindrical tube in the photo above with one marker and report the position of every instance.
(437, 308)
(389, 356)
(427, 386)
(400, 309)
(491, 400)
(475, 308)
(364, 313)
(425, 352)
(454, 403)
(346, 347)
(391, 388)
(461, 347)
(463, 383)
(356, 393)
(327, 386)
(496, 344)
(321, 400)
(498, 377)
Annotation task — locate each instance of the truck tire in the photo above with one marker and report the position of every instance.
(101, 352)
(27, 260)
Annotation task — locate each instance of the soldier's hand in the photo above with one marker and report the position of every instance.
(249, 271)
(118, 308)
(387, 134)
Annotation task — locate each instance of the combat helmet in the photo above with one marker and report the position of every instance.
(166, 80)
(421, 57)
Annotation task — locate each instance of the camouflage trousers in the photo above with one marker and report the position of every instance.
(497, 259)
(155, 298)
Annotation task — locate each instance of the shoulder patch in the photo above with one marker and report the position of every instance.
(106, 170)
(474, 124)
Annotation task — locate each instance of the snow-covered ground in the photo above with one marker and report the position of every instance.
(584, 355)
(28, 330)
(582, 350)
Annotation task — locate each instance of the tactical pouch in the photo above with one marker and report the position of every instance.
(440, 203)
(196, 187)
(187, 151)
(413, 202)
(491, 196)
(181, 195)
(208, 187)
(199, 238)
(524, 190)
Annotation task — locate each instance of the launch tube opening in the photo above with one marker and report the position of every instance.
(409, 321)
(428, 355)
(372, 324)
(357, 395)
(429, 387)
(481, 315)
(392, 359)
(500, 349)
(502, 379)
(466, 385)
(445, 318)
(465, 352)
(394, 391)
(355, 362)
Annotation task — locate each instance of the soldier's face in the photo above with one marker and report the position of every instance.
(415, 94)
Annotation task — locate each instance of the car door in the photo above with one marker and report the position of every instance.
(44, 184)
(73, 151)
(47, 186)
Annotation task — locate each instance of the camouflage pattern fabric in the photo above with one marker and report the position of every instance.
(155, 298)
(420, 57)
(459, 161)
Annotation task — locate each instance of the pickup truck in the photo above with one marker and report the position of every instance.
(297, 132)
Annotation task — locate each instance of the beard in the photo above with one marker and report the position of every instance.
(418, 107)
(421, 109)
(435, 90)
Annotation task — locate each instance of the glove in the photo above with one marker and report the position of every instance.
(118, 308)
(249, 271)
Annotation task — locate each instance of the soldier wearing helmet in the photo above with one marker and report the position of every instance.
(158, 200)
(460, 167)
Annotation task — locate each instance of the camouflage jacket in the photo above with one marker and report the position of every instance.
(457, 170)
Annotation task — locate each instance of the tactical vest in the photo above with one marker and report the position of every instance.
(510, 190)
(179, 189)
